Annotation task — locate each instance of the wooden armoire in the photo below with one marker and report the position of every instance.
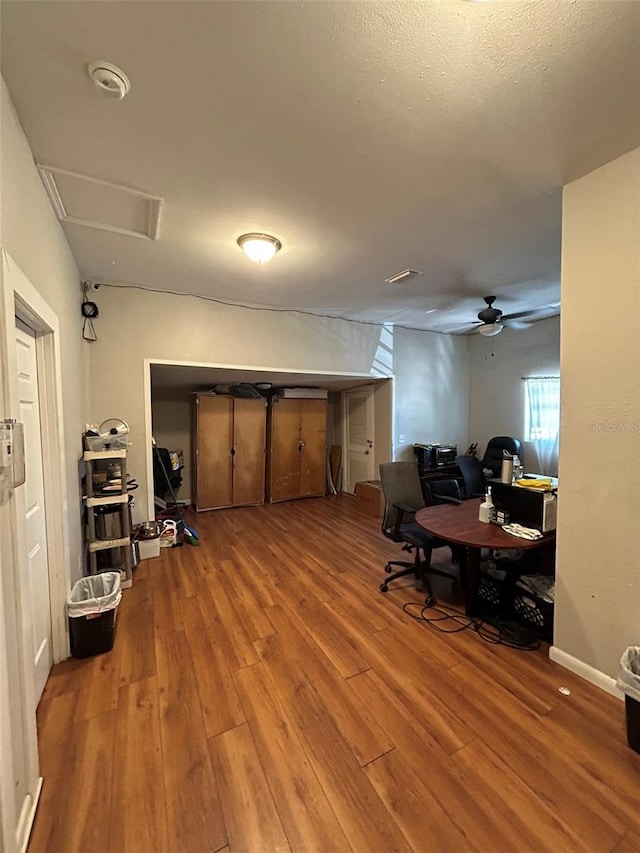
(229, 451)
(297, 448)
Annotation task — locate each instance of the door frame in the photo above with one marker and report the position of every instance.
(19, 298)
(22, 300)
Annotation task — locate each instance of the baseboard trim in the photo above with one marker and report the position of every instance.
(582, 669)
(26, 819)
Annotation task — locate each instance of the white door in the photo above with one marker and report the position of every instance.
(35, 521)
(358, 416)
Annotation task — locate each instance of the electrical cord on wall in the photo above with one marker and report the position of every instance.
(90, 312)
(230, 304)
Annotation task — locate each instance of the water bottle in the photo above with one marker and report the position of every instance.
(507, 469)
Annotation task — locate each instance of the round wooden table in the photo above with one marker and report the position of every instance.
(458, 523)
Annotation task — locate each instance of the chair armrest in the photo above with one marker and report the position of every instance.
(406, 508)
(403, 510)
(447, 499)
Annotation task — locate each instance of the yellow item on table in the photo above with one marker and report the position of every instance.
(541, 483)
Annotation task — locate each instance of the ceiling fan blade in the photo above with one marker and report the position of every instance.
(533, 314)
(463, 329)
(516, 324)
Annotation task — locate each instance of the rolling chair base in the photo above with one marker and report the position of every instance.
(420, 573)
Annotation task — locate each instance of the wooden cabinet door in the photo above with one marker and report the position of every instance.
(313, 451)
(213, 444)
(249, 425)
(284, 450)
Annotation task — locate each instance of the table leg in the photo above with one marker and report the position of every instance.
(471, 588)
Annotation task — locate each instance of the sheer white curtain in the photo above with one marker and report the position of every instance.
(543, 420)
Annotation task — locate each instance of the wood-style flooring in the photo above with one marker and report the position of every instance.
(264, 696)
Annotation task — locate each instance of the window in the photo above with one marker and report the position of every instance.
(542, 415)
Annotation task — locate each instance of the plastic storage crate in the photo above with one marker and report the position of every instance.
(494, 590)
(534, 613)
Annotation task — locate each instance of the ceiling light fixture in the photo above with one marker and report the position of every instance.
(259, 247)
(401, 277)
(489, 330)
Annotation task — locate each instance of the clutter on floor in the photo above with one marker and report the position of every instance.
(175, 530)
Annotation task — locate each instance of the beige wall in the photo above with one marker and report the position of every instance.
(598, 558)
(496, 389)
(33, 237)
(136, 325)
(172, 427)
(382, 424)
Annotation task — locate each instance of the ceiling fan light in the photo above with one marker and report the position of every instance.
(489, 330)
(259, 247)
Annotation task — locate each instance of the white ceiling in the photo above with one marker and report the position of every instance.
(368, 137)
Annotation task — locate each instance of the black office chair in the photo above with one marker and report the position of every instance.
(473, 478)
(441, 492)
(448, 492)
(493, 455)
(403, 497)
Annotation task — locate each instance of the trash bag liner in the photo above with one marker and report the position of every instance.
(629, 674)
(94, 594)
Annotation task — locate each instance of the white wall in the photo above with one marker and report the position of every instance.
(598, 556)
(33, 238)
(431, 391)
(431, 370)
(496, 389)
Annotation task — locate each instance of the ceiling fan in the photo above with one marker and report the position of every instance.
(491, 321)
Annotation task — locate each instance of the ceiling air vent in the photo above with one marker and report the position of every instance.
(401, 277)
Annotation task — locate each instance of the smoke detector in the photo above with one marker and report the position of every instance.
(109, 79)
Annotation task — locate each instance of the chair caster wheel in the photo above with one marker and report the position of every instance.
(383, 587)
(429, 601)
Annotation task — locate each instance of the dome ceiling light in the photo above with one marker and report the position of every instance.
(259, 247)
(490, 329)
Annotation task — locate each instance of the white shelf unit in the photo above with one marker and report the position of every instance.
(121, 546)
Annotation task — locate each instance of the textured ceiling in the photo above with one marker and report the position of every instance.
(369, 137)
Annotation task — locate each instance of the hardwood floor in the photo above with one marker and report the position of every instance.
(264, 696)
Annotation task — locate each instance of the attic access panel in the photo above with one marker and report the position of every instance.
(100, 204)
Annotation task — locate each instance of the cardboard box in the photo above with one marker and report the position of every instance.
(370, 498)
